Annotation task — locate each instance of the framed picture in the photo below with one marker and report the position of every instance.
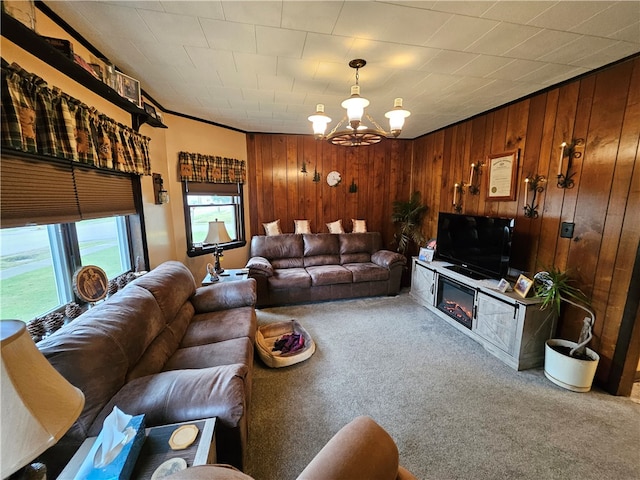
(504, 286)
(150, 109)
(90, 283)
(426, 254)
(523, 285)
(502, 168)
(128, 88)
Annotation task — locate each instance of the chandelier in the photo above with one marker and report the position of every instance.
(355, 133)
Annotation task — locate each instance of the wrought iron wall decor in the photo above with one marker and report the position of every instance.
(535, 184)
(570, 150)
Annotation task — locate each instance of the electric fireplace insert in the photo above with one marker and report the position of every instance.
(456, 300)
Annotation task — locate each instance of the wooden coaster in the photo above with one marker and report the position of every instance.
(183, 436)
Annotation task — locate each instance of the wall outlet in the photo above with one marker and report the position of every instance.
(566, 230)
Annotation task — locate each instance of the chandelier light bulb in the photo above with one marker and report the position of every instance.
(319, 121)
(355, 106)
(396, 117)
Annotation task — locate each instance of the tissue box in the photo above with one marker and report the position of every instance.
(122, 466)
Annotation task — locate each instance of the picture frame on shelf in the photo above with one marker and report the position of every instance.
(128, 87)
(523, 285)
(150, 109)
(501, 180)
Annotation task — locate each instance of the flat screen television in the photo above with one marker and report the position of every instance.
(477, 246)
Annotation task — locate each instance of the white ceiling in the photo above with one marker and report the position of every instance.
(262, 66)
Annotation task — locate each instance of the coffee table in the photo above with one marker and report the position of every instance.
(156, 450)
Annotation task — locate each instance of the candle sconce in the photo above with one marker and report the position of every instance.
(534, 184)
(457, 200)
(474, 188)
(570, 151)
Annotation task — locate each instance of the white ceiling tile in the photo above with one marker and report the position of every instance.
(541, 44)
(617, 16)
(391, 55)
(565, 15)
(474, 9)
(311, 16)
(174, 29)
(240, 37)
(607, 55)
(459, 32)
(327, 47)
(516, 69)
(630, 34)
(579, 48)
(274, 82)
(248, 63)
(291, 97)
(448, 62)
(280, 42)
(502, 38)
(174, 55)
(260, 96)
(293, 67)
(410, 25)
(201, 9)
(483, 65)
(239, 80)
(259, 13)
(206, 59)
(517, 11)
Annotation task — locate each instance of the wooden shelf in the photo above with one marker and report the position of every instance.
(33, 43)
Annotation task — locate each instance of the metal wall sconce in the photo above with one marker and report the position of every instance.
(353, 188)
(474, 188)
(160, 195)
(534, 184)
(570, 151)
(457, 200)
(316, 175)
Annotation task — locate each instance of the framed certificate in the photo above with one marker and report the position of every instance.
(502, 169)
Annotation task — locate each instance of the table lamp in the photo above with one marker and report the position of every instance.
(217, 234)
(38, 404)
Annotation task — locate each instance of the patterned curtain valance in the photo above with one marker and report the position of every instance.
(195, 167)
(46, 121)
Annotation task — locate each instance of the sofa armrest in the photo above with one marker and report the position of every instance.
(361, 449)
(387, 258)
(259, 266)
(225, 295)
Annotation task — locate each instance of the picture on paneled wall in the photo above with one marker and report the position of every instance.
(502, 168)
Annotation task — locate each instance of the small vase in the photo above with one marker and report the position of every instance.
(571, 373)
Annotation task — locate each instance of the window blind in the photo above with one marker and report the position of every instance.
(47, 192)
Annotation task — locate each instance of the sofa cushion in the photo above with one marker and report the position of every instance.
(219, 326)
(367, 272)
(283, 251)
(235, 350)
(321, 249)
(171, 284)
(182, 395)
(289, 278)
(329, 275)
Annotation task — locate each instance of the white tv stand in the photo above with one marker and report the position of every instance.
(512, 328)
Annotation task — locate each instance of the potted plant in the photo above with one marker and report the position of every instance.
(408, 215)
(571, 365)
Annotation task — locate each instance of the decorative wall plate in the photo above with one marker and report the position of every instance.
(334, 178)
(90, 283)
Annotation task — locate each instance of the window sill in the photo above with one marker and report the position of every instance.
(209, 249)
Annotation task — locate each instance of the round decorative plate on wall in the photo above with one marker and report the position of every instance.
(334, 178)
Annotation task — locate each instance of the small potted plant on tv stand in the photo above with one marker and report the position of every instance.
(571, 365)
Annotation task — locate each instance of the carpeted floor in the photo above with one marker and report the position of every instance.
(454, 410)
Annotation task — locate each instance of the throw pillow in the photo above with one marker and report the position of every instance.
(335, 227)
(272, 228)
(302, 226)
(359, 226)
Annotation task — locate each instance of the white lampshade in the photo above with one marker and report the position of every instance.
(38, 404)
(355, 106)
(217, 233)
(319, 121)
(396, 117)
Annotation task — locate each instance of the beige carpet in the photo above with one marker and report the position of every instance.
(454, 410)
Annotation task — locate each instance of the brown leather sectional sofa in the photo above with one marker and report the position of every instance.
(163, 347)
(298, 268)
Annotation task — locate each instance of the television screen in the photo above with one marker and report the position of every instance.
(477, 246)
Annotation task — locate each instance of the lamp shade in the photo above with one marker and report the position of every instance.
(217, 233)
(38, 404)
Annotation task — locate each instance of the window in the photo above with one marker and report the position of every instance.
(210, 202)
(37, 263)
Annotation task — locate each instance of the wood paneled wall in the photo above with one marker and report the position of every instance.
(602, 108)
(279, 190)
